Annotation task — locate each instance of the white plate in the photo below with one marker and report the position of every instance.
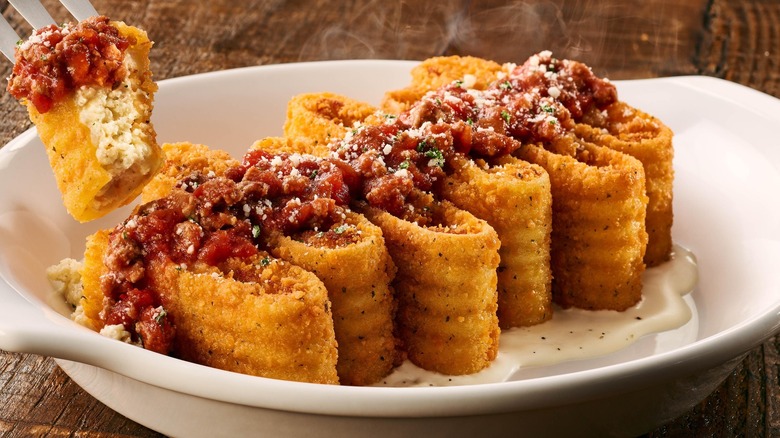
(726, 210)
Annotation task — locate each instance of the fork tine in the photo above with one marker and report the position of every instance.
(38, 17)
(8, 39)
(81, 9)
(34, 12)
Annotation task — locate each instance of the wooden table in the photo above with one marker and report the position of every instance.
(733, 39)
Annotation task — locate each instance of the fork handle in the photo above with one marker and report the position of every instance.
(8, 39)
(81, 9)
(33, 12)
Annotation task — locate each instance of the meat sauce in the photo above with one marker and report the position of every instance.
(57, 60)
(537, 102)
(571, 83)
(209, 219)
(392, 160)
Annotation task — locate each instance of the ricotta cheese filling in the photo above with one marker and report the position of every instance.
(118, 122)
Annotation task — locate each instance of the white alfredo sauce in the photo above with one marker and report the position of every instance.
(576, 334)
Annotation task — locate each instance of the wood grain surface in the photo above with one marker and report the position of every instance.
(732, 39)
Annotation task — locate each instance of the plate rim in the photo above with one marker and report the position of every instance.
(691, 358)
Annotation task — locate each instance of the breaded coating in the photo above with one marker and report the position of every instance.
(598, 232)
(515, 201)
(358, 277)
(445, 287)
(261, 316)
(636, 133)
(358, 274)
(92, 269)
(100, 142)
(314, 119)
(438, 71)
(514, 197)
(278, 145)
(620, 127)
(181, 159)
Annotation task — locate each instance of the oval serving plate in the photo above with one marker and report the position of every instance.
(726, 211)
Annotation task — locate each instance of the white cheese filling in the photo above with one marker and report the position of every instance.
(118, 122)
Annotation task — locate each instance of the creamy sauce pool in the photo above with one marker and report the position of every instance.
(576, 334)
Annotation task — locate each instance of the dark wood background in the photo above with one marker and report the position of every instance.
(732, 39)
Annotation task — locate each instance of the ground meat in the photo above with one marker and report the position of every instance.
(57, 60)
(571, 83)
(155, 329)
(395, 158)
(388, 192)
(501, 111)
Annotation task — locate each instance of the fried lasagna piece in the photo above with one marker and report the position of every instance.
(512, 195)
(254, 315)
(616, 125)
(348, 256)
(599, 243)
(89, 91)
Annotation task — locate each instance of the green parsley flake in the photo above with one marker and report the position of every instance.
(436, 156)
(506, 85)
(265, 261)
(404, 165)
(256, 231)
(505, 116)
(160, 316)
(340, 229)
(423, 145)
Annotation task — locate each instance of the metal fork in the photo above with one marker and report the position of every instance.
(38, 17)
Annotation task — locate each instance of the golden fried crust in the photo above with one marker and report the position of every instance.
(314, 119)
(598, 234)
(89, 189)
(276, 325)
(514, 197)
(620, 127)
(358, 278)
(436, 72)
(646, 138)
(80, 177)
(91, 271)
(515, 200)
(272, 321)
(363, 306)
(277, 145)
(445, 287)
(181, 159)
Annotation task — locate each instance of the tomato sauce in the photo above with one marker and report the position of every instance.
(57, 60)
